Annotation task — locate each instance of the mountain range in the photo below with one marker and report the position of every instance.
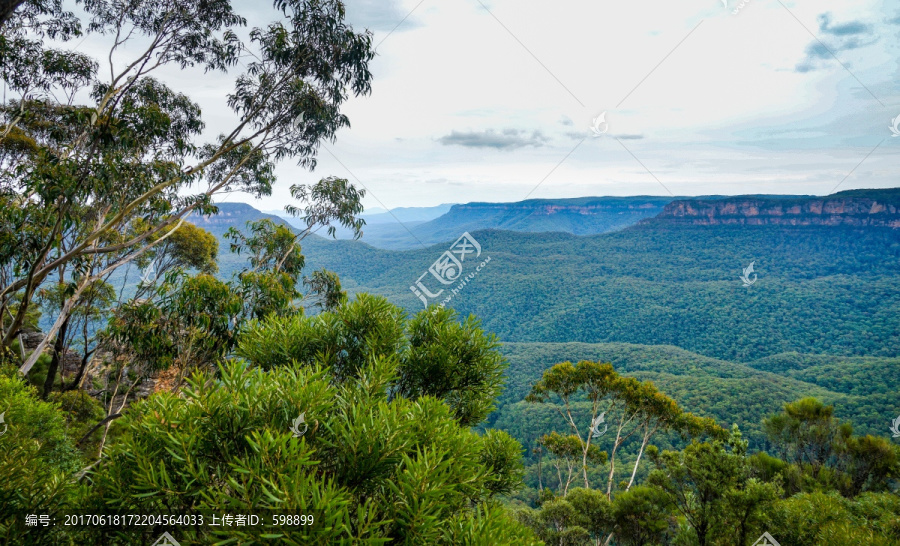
(847, 208)
(654, 286)
(818, 288)
(414, 227)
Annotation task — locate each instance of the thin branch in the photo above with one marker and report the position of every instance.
(96, 428)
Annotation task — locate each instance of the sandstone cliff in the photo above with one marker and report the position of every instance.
(849, 208)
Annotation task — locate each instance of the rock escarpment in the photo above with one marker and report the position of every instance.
(861, 208)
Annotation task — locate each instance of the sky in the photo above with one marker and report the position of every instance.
(503, 100)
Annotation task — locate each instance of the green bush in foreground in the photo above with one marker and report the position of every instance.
(371, 470)
(38, 459)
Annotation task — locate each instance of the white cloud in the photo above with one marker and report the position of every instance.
(726, 112)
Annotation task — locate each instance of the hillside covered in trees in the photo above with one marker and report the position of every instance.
(820, 290)
(176, 372)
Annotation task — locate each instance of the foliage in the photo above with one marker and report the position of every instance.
(328, 201)
(729, 392)
(641, 516)
(370, 469)
(713, 493)
(363, 328)
(826, 454)
(453, 361)
(712, 488)
(326, 286)
(631, 408)
(188, 247)
(503, 455)
(99, 166)
(80, 411)
(822, 290)
(828, 518)
(38, 459)
(438, 356)
(269, 286)
(191, 325)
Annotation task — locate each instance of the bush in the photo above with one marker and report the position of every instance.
(38, 459)
(437, 356)
(822, 518)
(369, 468)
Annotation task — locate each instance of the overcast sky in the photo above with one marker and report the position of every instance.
(477, 100)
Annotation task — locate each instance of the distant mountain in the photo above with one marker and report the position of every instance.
(820, 289)
(407, 214)
(381, 224)
(579, 216)
(232, 215)
(847, 208)
(408, 228)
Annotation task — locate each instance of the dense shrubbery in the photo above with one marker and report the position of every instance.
(386, 454)
(368, 468)
(37, 464)
(379, 461)
(436, 355)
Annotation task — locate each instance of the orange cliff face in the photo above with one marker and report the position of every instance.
(852, 209)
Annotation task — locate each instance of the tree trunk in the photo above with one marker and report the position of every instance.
(584, 454)
(7, 7)
(644, 441)
(76, 382)
(612, 463)
(540, 481)
(59, 347)
(60, 320)
(15, 327)
(702, 531)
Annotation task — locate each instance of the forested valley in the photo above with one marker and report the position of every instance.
(170, 375)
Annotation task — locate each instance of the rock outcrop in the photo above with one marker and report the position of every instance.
(862, 208)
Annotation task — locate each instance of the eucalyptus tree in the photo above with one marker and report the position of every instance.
(630, 408)
(78, 329)
(98, 165)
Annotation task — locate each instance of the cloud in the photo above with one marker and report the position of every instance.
(843, 37)
(566, 120)
(846, 29)
(509, 139)
(378, 15)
